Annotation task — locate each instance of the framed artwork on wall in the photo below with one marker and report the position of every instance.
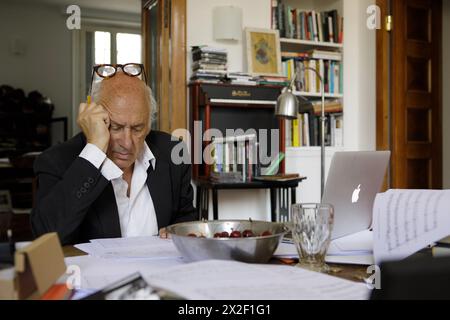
(263, 52)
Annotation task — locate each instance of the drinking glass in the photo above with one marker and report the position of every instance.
(312, 225)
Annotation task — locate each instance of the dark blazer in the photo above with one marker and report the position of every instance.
(76, 201)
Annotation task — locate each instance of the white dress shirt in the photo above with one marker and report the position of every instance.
(136, 213)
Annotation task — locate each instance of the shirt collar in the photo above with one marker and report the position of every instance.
(146, 158)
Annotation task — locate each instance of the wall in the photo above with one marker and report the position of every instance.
(359, 77)
(46, 64)
(255, 13)
(446, 92)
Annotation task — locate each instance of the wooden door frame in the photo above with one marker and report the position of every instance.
(386, 124)
(383, 96)
(171, 72)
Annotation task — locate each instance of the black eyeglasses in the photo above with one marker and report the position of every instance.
(109, 70)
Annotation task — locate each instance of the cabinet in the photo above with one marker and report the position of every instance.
(224, 107)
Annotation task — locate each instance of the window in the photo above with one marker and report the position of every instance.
(110, 46)
(102, 47)
(128, 48)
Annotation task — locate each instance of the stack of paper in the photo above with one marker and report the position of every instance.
(131, 248)
(110, 260)
(97, 273)
(231, 280)
(356, 248)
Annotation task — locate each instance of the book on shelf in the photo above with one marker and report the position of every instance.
(235, 158)
(298, 55)
(331, 106)
(305, 130)
(208, 49)
(209, 64)
(311, 25)
(273, 80)
(324, 55)
(279, 177)
(307, 80)
(200, 66)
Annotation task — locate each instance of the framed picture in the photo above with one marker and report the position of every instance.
(263, 52)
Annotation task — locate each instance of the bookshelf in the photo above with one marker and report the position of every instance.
(315, 41)
(305, 158)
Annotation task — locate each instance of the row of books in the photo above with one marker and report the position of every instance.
(209, 64)
(294, 23)
(242, 78)
(305, 131)
(307, 80)
(313, 54)
(235, 159)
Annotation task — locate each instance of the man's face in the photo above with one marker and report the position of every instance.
(129, 114)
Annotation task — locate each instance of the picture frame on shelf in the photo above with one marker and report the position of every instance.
(263, 52)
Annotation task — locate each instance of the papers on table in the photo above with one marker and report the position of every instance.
(112, 259)
(406, 221)
(158, 261)
(357, 243)
(131, 248)
(352, 249)
(231, 280)
(97, 273)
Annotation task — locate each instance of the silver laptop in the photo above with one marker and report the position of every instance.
(354, 179)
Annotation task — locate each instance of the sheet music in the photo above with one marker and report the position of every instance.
(406, 221)
(231, 280)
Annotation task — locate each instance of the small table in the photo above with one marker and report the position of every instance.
(204, 185)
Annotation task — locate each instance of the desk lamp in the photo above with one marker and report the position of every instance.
(288, 107)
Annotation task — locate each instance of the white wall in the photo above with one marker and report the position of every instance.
(359, 77)
(46, 63)
(446, 92)
(255, 13)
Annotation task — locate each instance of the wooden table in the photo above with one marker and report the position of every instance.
(71, 251)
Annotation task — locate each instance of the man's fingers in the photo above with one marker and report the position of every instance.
(82, 107)
(107, 120)
(163, 234)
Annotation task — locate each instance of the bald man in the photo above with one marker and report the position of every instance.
(116, 178)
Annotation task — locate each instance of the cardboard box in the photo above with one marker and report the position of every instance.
(37, 267)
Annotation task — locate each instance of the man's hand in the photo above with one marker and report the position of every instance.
(163, 234)
(94, 121)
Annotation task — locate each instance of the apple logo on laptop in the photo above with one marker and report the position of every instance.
(355, 195)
